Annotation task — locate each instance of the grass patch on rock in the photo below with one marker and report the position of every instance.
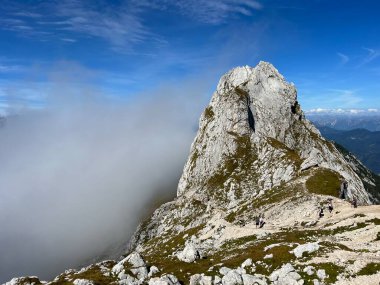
(93, 274)
(376, 221)
(370, 269)
(332, 271)
(236, 166)
(324, 182)
(290, 154)
(209, 113)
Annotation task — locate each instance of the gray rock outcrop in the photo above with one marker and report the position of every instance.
(232, 278)
(168, 279)
(286, 275)
(136, 265)
(308, 248)
(200, 279)
(253, 138)
(251, 123)
(253, 280)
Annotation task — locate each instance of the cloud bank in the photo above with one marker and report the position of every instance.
(77, 176)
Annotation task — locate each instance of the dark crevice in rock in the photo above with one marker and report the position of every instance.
(296, 110)
(309, 167)
(251, 119)
(244, 94)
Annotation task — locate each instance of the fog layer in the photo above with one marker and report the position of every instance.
(77, 175)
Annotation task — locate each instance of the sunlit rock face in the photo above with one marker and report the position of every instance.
(253, 136)
(254, 150)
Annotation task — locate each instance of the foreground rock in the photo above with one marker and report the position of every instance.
(286, 275)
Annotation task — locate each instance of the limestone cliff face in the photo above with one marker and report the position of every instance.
(254, 148)
(255, 153)
(253, 136)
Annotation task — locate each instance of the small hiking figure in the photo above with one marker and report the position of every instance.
(261, 221)
(258, 220)
(343, 189)
(321, 214)
(355, 202)
(331, 207)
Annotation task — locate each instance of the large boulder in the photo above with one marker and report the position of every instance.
(253, 280)
(308, 247)
(164, 280)
(134, 263)
(286, 275)
(200, 279)
(189, 254)
(232, 278)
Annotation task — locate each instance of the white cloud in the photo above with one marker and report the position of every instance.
(122, 25)
(344, 98)
(27, 14)
(338, 99)
(339, 111)
(215, 12)
(356, 111)
(343, 58)
(7, 68)
(68, 40)
(318, 110)
(372, 54)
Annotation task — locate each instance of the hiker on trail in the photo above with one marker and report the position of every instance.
(355, 202)
(258, 220)
(261, 221)
(321, 214)
(331, 207)
(343, 189)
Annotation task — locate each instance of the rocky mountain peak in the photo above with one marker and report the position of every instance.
(271, 103)
(253, 136)
(242, 74)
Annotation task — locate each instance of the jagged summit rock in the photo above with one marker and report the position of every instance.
(254, 153)
(253, 136)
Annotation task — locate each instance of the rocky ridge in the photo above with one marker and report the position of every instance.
(254, 153)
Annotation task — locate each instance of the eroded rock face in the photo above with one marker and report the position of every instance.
(136, 264)
(253, 136)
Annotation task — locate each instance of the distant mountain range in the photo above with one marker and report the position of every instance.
(363, 143)
(346, 119)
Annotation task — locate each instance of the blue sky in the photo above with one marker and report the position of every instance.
(329, 49)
